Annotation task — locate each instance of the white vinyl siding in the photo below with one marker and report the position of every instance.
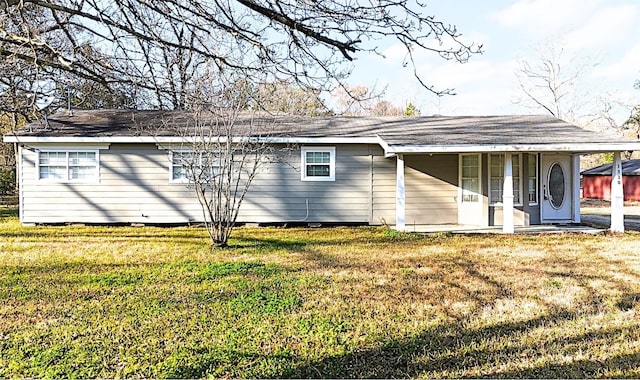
(318, 163)
(66, 166)
(134, 187)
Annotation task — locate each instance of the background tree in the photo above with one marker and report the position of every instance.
(411, 110)
(283, 97)
(385, 108)
(160, 47)
(551, 83)
(631, 127)
(362, 101)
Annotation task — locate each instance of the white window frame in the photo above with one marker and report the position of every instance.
(536, 186)
(96, 171)
(332, 163)
(498, 202)
(172, 166)
(461, 192)
(520, 173)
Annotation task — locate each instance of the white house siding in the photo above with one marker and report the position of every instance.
(430, 187)
(384, 190)
(134, 187)
(279, 195)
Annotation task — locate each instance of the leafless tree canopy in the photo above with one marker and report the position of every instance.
(549, 83)
(161, 47)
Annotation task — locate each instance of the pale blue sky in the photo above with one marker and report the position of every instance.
(603, 36)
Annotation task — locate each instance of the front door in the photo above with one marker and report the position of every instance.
(556, 188)
(469, 191)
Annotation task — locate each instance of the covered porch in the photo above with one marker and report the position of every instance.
(556, 191)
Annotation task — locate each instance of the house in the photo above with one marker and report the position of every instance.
(115, 166)
(596, 182)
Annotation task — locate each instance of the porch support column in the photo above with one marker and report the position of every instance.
(575, 159)
(400, 194)
(617, 195)
(507, 195)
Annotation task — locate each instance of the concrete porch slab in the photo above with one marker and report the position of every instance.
(538, 229)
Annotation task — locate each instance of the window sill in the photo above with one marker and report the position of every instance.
(318, 179)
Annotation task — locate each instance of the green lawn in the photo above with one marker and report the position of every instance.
(338, 302)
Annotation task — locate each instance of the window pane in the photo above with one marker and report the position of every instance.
(82, 172)
(178, 158)
(470, 178)
(516, 190)
(533, 178)
(470, 171)
(470, 160)
(318, 157)
(317, 170)
(82, 158)
(178, 172)
(470, 184)
(53, 158)
(52, 172)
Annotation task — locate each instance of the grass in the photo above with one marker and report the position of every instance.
(86, 302)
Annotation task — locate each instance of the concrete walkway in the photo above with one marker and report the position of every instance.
(538, 229)
(601, 217)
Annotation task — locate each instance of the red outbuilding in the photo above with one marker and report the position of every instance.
(596, 182)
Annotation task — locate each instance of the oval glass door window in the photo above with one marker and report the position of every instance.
(556, 185)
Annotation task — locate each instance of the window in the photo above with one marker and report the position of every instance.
(185, 167)
(318, 163)
(470, 178)
(496, 178)
(62, 166)
(532, 173)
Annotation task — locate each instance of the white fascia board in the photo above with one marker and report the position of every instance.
(323, 140)
(577, 147)
(186, 139)
(67, 145)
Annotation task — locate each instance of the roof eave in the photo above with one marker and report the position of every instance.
(486, 148)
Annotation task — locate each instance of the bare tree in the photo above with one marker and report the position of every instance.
(632, 125)
(158, 46)
(359, 100)
(284, 97)
(226, 144)
(385, 108)
(550, 83)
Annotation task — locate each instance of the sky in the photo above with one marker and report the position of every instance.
(600, 38)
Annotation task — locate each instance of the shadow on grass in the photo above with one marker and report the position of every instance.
(456, 350)
(453, 350)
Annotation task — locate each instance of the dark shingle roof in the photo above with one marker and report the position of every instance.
(629, 167)
(400, 131)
